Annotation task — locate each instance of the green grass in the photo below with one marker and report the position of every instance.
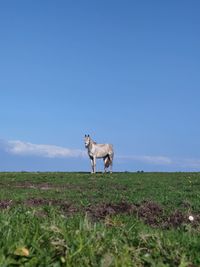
(45, 235)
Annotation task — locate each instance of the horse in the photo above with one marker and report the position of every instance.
(96, 151)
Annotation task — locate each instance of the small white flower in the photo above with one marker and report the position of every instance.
(191, 218)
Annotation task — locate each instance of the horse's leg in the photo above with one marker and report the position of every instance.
(104, 160)
(111, 162)
(94, 164)
(111, 167)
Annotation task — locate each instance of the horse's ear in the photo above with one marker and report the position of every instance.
(85, 135)
(88, 135)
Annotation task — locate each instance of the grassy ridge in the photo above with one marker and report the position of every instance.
(169, 189)
(44, 235)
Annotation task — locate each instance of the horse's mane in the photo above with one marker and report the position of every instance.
(93, 141)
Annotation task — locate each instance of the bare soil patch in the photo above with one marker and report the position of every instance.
(34, 202)
(100, 211)
(52, 186)
(149, 212)
(43, 186)
(4, 204)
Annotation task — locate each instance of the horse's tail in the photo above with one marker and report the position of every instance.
(108, 160)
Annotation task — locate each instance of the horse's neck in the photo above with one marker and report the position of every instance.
(92, 143)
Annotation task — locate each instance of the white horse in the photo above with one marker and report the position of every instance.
(96, 151)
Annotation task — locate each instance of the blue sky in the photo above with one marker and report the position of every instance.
(125, 72)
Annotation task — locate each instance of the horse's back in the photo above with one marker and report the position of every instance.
(101, 150)
(108, 147)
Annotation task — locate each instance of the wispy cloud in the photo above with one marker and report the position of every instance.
(158, 160)
(49, 151)
(189, 162)
(21, 148)
(17, 147)
(180, 163)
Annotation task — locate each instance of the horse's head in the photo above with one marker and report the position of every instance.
(87, 140)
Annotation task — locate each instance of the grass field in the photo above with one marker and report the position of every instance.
(79, 219)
